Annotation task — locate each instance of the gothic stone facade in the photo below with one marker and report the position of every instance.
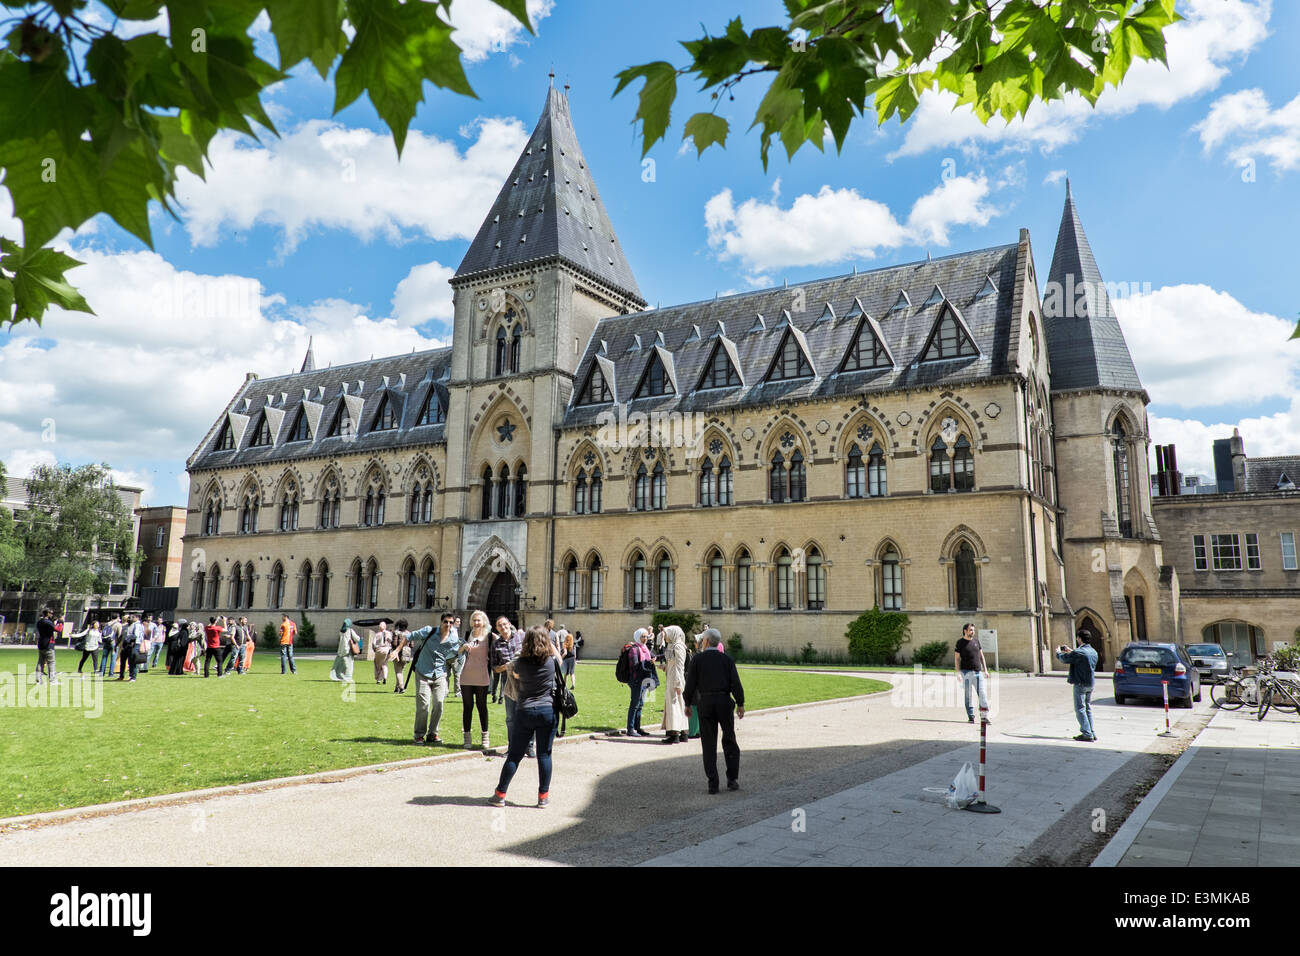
(776, 461)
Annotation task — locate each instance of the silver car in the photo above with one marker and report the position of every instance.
(1211, 661)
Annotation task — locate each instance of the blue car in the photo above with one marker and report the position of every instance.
(1141, 669)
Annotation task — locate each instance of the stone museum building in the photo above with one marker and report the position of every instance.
(939, 438)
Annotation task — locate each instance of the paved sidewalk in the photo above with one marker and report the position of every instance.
(1232, 799)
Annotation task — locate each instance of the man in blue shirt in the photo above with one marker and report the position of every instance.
(1083, 667)
(432, 651)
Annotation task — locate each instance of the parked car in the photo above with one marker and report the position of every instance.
(1211, 661)
(1141, 669)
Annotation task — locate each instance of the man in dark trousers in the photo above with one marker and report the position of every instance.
(712, 676)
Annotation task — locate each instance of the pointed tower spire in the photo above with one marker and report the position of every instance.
(549, 208)
(309, 360)
(1085, 344)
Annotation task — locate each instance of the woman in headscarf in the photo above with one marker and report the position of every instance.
(349, 646)
(674, 666)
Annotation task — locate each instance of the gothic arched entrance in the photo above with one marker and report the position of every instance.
(502, 599)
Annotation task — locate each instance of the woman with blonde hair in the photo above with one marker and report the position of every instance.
(537, 670)
(474, 678)
(674, 666)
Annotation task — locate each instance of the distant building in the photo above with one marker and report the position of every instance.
(159, 578)
(1235, 551)
(120, 588)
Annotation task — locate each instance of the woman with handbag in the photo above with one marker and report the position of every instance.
(88, 641)
(674, 666)
(473, 681)
(538, 673)
(349, 647)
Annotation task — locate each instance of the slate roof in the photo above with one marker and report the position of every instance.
(978, 286)
(1085, 345)
(549, 208)
(410, 379)
(1263, 474)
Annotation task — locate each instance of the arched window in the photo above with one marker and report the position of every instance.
(516, 342)
(658, 487)
(426, 507)
(275, 592)
(816, 580)
(724, 496)
(595, 584)
(323, 588)
(1123, 510)
(236, 587)
(413, 515)
(430, 584)
(963, 466)
(521, 490)
(716, 589)
(410, 584)
(372, 577)
(706, 484)
(876, 485)
(200, 582)
(368, 512)
(940, 466)
(212, 518)
(855, 474)
(642, 496)
(744, 582)
(485, 508)
(798, 483)
(891, 581)
(571, 584)
(967, 578)
(248, 516)
(501, 351)
(289, 509)
(784, 581)
(503, 492)
(379, 506)
(580, 493)
(640, 582)
(665, 588)
(358, 585)
(304, 585)
(214, 587)
(777, 478)
(593, 500)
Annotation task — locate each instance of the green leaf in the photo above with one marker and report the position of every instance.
(655, 106)
(707, 129)
(1296, 333)
(178, 146)
(37, 283)
(308, 29)
(519, 10)
(52, 187)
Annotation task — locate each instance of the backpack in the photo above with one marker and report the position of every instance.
(623, 669)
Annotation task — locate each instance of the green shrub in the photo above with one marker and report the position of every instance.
(808, 654)
(931, 654)
(688, 622)
(306, 633)
(735, 646)
(875, 636)
(270, 636)
(1288, 658)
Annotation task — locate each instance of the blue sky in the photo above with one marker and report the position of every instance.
(1186, 180)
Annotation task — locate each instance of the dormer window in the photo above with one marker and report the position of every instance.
(385, 418)
(654, 381)
(300, 431)
(720, 372)
(226, 440)
(790, 362)
(341, 427)
(596, 391)
(263, 434)
(866, 351)
(948, 340)
(432, 412)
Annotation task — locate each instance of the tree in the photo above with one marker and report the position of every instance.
(11, 545)
(76, 532)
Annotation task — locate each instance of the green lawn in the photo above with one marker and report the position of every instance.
(169, 734)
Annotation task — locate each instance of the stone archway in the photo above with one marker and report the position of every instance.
(492, 560)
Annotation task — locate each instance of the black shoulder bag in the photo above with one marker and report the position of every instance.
(562, 698)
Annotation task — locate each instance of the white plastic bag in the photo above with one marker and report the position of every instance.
(964, 788)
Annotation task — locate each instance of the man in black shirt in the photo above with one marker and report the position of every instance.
(45, 647)
(712, 676)
(968, 661)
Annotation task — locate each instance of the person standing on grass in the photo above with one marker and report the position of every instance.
(132, 635)
(157, 635)
(536, 670)
(91, 637)
(968, 661)
(112, 633)
(212, 652)
(349, 647)
(382, 641)
(1083, 668)
(288, 630)
(713, 682)
(178, 639)
(473, 679)
(431, 651)
(244, 646)
(45, 637)
(457, 664)
(198, 638)
(400, 655)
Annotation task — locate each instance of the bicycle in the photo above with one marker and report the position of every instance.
(1278, 687)
(1239, 690)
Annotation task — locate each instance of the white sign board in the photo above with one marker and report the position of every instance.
(988, 638)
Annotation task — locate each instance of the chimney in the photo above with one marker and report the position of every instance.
(1238, 462)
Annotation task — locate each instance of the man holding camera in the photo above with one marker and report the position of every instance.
(1083, 668)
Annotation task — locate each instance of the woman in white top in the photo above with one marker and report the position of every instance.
(382, 641)
(93, 638)
(674, 665)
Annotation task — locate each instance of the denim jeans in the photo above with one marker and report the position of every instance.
(531, 723)
(286, 654)
(154, 652)
(637, 702)
(510, 725)
(1083, 708)
(976, 678)
(106, 666)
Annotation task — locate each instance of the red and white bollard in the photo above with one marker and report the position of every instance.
(1167, 731)
(980, 806)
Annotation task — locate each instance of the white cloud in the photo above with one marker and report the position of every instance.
(483, 28)
(1265, 435)
(1054, 177)
(324, 175)
(1200, 50)
(21, 462)
(142, 381)
(1255, 130)
(837, 224)
(424, 294)
(1196, 347)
